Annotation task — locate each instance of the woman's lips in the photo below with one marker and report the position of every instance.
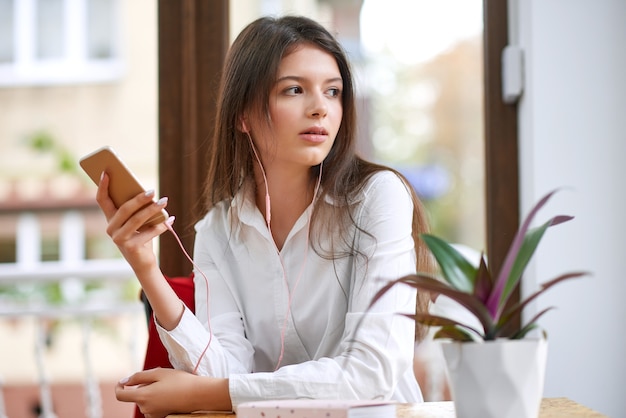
(314, 138)
(314, 134)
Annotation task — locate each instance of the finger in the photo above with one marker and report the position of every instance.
(103, 198)
(129, 388)
(134, 234)
(143, 377)
(148, 212)
(132, 215)
(133, 205)
(125, 393)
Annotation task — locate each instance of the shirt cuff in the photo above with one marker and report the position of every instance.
(186, 342)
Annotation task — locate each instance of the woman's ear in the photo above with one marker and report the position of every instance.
(243, 127)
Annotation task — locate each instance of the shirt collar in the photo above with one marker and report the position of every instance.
(243, 208)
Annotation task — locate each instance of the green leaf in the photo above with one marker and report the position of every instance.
(526, 251)
(495, 303)
(454, 333)
(430, 284)
(67, 162)
(532, 324)
(524, 331)
(441, 321)
(42, 141)
(455, 269)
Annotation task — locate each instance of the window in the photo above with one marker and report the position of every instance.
(47, 42)
(423, 78)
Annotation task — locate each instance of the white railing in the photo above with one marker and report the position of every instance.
(72, 272)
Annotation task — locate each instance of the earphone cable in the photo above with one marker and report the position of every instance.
(168, 223)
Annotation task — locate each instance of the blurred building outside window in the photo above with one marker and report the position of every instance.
(50, 42)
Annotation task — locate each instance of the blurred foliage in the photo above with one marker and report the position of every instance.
(427, 121)
(43, 142)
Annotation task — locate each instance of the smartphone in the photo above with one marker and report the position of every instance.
(123, 185)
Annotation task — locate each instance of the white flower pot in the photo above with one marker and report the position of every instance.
(496, 379)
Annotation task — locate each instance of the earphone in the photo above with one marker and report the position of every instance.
(268, 217)
(168, 224)
(268, 203)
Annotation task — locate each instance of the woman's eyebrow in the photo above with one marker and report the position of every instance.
(301, 79)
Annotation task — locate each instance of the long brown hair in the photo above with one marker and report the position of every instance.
(249, 75)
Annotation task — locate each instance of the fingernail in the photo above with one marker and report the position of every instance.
(124, 380)
(170, 220)
(101, 176)
(162, 201)
(149, 192)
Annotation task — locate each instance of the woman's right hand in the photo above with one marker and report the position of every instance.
(126, 225)
(160, 392)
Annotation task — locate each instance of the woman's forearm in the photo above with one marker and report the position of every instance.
(211, 394)
(165, 303)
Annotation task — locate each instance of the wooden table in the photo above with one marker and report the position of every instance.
(550, 408)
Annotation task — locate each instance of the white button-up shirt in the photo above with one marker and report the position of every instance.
(332, 348)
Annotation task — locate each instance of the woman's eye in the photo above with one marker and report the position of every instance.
(293, 90)
(334, 92)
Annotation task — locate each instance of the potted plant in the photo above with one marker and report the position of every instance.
(495, 368)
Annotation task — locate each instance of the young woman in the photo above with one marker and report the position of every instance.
(299, 234)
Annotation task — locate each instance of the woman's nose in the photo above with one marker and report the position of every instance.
(318, 107)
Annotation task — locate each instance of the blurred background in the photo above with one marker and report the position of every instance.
(79, 74)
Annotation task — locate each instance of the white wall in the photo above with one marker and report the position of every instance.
(573, 134)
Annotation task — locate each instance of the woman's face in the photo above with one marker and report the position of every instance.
(305, 111)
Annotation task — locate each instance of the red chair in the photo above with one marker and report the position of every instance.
(156, 354)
